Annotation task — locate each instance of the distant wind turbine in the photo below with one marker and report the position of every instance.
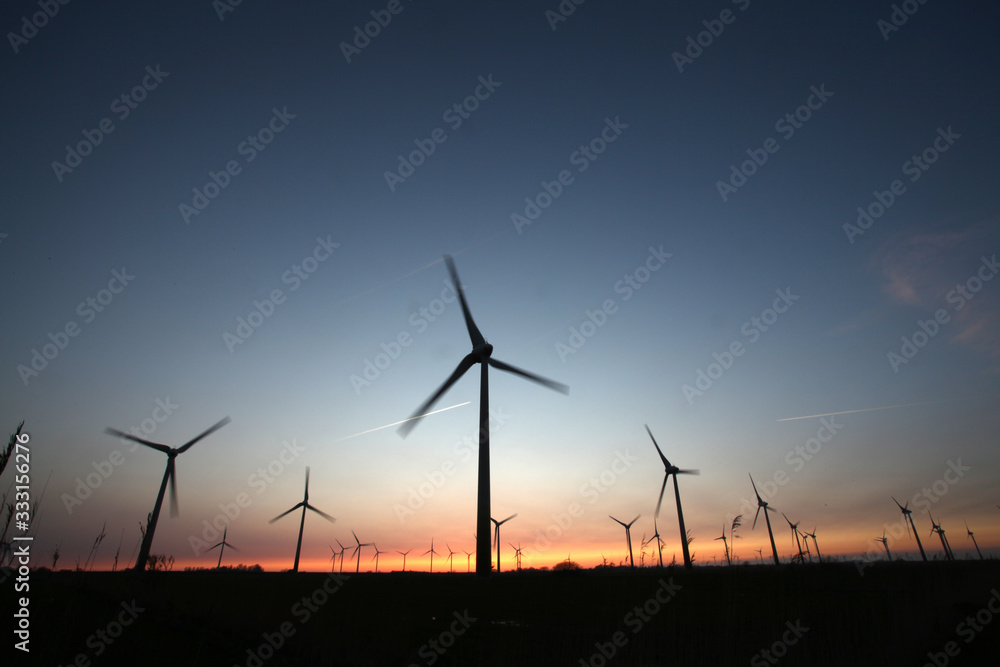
(357, 551)
(302, 523)
(659, 541)
(375, 558)
(168, 474)
(795, 532)
(908, 515)
(668, 470)
(762, 505)
(342, 550)
(725, 544)
(432, 553)
(222, 546)
(468, 560)
(815, 544)
(628, 535)
(481, 354)
(451, 557)
(403, 554)
(944, 541)
(885, 543)
(973, 538)
(496, 536)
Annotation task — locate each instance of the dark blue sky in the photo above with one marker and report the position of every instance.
(305, 214)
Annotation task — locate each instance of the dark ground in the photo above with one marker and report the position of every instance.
(893, 615)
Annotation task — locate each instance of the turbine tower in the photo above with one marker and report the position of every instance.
(668, 470)
(762, 505)
(908, 514)
(223, 544)
(973, 538)
(481, 354)
(357, 551)
(302, 523)
(168, 474)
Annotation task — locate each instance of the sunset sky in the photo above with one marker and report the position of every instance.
(721, 219)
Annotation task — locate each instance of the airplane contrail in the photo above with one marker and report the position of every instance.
(379, 428)
(884, 407)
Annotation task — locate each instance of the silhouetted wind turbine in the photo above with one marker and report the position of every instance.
(403, 554)
(668, 470)
(944, 542)
(496, 536)
(333, 557)
(885, 543)
(342, 550)
(659, 540)
(725, 544)
(760, 554)
(815, 543)
(168, 474)
(222, 546)
(481, 354)
(795, 532)
(761, 504)
(375, 558)
(432, 553)
(517, 555)
(302, 523)
(357, 551)
(468, 560)
(451, 556)
(628, 535)
(908, 514)
(973, 538)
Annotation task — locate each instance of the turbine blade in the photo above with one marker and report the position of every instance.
(512, 516)
(617, 521)
(545, 382)
(212, 429)
(286, 513)
(663, 458)
(322, 513)
(755, 518)
(173, 487)
(759, 499)
(662, 489)
(464, 365)
(634, 520)
(689, 471)
(154, 445)
(307, 485)
(474, 335)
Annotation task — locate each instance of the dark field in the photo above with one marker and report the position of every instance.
(829, 615)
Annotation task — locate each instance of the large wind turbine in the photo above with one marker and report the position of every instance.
(908, 514)
(223, 544)
(302, 523)
(762, 505)
(357, 551)
(168, 474)
(668, 470)
(628, 535)
(481, 354)
(973, 538)
(496, 536)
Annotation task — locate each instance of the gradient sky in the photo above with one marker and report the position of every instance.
(886, 96)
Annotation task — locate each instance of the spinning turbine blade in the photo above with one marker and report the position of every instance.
(154, 445)
(173, 486)
(286, 513)
(545, 382)
(474, 335)
(662, 489)
(463, 366)
(212, 429)
(322, 513)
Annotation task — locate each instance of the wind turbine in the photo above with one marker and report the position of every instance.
(885, 543)
(628, 535)
(659, 541)
(725, 544)
(223, 544)
(168, 474)
(481, 354)
(342, 550)
(333, 557)
(973, 538)
(908, 514)
(357, 551)
(944, 541)
(377, 552)
(517, 555)
(496, 535)
(815, 543)
(451, 556)
(762, 505)
(668, 470)
(468, 560)
(403, 554)
(432, 553)
(302, 523)
(760, 554)
(795, 532)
